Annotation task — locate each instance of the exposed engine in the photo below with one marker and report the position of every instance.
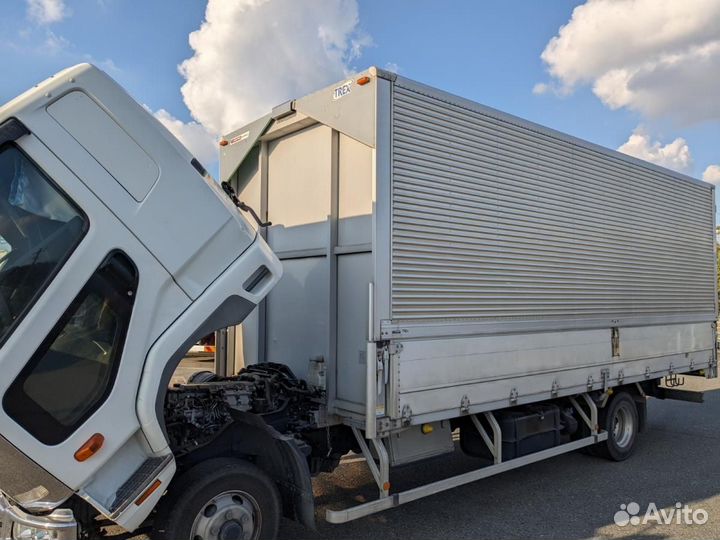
(197, 412)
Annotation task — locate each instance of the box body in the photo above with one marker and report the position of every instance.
(481, 260)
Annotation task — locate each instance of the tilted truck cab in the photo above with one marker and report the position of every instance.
(119, 252)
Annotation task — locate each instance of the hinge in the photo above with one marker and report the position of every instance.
(555, 389)
(615, 341)
(513, 396)
(406, 414)
(605, 378)
(383, 363)
(465, 404)
(12, 130)
(282, 110)
(590, 382)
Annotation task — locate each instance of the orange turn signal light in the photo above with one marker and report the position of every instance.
(363, 80)
(149, 491)
(90, 448)
(224, 142)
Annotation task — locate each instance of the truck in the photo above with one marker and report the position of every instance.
(387, 267)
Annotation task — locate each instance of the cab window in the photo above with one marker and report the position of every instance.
(39, 228)
(72, 372)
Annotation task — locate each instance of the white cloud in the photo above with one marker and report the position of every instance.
(195, 137)
(541, 88)
(674, 155)
(54, 44)
(659, 57)
(46, 11)
(392, 67)
(712, 174)
(250, 55)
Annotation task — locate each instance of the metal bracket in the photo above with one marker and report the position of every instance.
(385, 425)
(590, 382)
(605, 378)
(433, 488)
(592, 420)
(282, 110)
(555, 388)
(380, 470)
(494, 444)
(406, 414)
(673, 381)
(12, 130)
(621, 376)
(465, 404)
(513, 396)
(604, 398)
(230, 191)
(647, 372)
(615, 341)
(383, 369)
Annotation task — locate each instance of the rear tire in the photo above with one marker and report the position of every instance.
(220, 499)
(621, 420)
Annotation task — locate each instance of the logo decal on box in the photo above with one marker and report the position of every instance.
(342, 90)
(238, 138)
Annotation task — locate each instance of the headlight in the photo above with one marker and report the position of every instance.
(23, 532)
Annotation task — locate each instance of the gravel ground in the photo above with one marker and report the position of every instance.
(573, 496)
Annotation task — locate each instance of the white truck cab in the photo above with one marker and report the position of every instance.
(120, 252)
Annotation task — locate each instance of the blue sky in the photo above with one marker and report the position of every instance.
(489, 51)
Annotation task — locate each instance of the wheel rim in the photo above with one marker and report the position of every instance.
(232, 515)
(623, 426)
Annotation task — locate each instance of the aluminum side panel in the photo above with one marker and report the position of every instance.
(434, 375)
(493, 221)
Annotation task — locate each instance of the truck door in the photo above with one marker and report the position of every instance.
(79, 300)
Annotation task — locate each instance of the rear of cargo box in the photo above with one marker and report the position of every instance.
(479, 260)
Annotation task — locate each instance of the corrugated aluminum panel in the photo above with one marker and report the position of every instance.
(493, 220)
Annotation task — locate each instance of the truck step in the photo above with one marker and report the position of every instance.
(140, 478)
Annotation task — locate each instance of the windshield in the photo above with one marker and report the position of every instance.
(39, 228)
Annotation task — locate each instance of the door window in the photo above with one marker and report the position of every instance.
(72, 372)
(39, 229)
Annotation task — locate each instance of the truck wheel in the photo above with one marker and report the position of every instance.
(220, 499)
(620, 419)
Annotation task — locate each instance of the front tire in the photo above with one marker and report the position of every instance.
(220, 499)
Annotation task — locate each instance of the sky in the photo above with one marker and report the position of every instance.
(641, 76)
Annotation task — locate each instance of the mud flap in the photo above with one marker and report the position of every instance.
(284, 458)
(303, 500)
